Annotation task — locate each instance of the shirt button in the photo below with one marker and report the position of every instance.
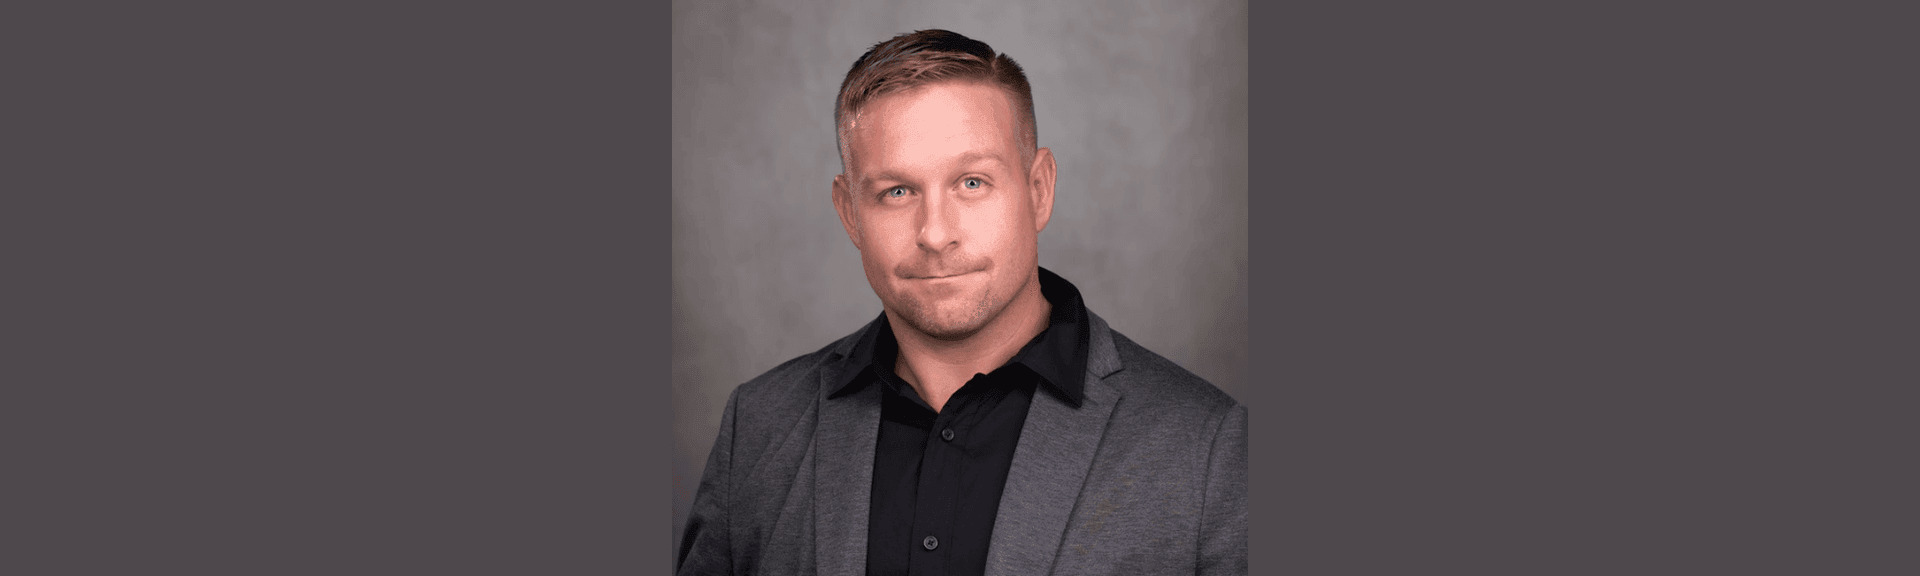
(930, 543)
(947, 434)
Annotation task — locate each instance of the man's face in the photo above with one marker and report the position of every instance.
(942, 209)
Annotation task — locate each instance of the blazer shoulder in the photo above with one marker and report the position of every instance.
(795, 382)
(1160, 382)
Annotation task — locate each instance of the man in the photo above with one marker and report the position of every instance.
(986, 422)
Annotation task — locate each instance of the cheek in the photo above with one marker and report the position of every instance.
(886, 228)
(885, 237)
(1011, 222)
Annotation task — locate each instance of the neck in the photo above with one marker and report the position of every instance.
(937, 368)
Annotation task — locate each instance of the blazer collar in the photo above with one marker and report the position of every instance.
(842, 464)
(1050, 465)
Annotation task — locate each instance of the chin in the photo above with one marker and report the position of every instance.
(953, 319)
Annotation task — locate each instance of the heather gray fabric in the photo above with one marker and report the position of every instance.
(1147, 476)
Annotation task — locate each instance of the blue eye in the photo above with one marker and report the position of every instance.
(896, 192)
(972, 183)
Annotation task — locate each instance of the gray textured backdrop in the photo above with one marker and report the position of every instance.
(1144, 104)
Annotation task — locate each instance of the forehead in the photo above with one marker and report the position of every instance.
(928, 126)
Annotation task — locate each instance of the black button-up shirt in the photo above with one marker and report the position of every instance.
(937, 477)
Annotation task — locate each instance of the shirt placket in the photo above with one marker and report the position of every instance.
(937, 500)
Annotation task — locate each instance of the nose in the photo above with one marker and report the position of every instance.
(939, 227)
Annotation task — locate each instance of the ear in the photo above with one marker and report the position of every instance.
(843, 203)
(1040, 185)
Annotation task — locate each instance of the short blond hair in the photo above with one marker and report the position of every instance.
(925, 57)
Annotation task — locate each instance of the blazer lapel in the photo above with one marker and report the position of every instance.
(1056, 449)
(843, 477)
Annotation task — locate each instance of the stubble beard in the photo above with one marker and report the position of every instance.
(949, 320)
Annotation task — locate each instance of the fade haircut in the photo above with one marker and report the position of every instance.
(925, 57)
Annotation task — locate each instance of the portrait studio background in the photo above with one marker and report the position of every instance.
(1143, 103)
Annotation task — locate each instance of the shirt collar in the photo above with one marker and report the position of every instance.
(1058, 354)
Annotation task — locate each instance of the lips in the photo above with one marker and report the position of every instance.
(941, 269)
(939, 276)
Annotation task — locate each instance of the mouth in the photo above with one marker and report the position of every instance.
(942, 276)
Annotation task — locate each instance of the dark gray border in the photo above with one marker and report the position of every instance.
(1267, 459)
(1584, 289)
(338, 289)
(1616, 290)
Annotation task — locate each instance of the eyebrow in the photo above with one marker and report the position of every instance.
(975, 158)
(967, 160)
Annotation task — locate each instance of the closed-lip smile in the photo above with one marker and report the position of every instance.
(953, 275)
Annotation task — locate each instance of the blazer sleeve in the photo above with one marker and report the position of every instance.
(1223, 523)
(706, 547)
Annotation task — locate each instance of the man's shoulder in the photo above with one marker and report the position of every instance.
(796, 381)
(1149, 379)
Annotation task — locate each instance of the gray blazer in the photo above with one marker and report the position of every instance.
(1147, 476)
